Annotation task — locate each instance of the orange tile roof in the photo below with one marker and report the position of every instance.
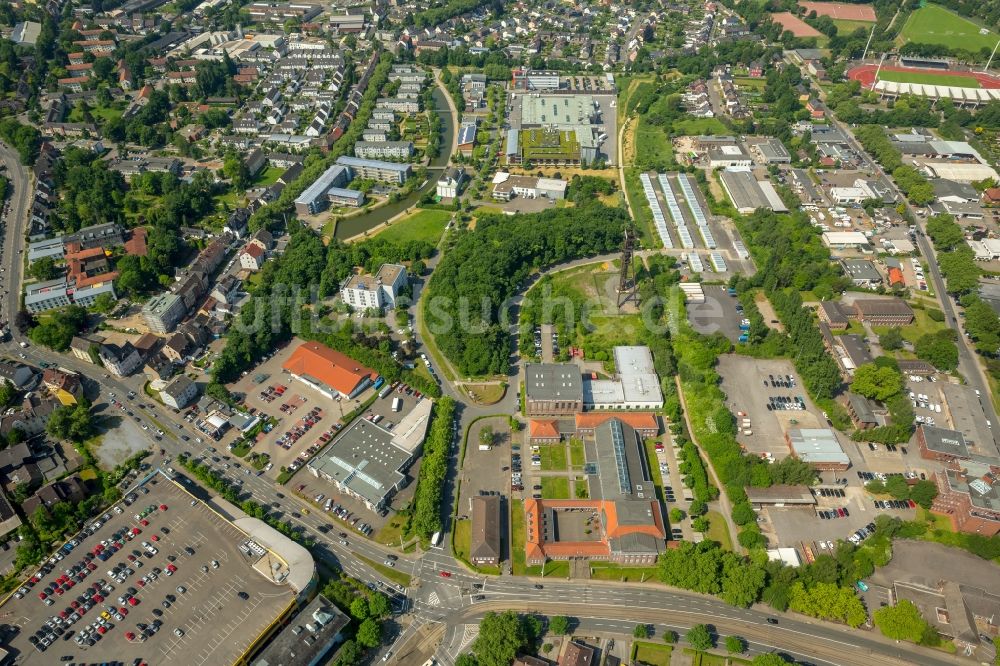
(330, 367)
(637, 420)
(536, 549)
(543, 428)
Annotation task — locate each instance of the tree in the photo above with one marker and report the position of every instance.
(486, 436)
(770, 659)
(877, 383)
(44, 269)
(466, 660)
(891, 340)
(501, 637)
(901, 622)
(378, 605)
(923, 493)
(735, 644)
(669, 636)
(700, 524)
(72, 422)
(700, 638)
(676, 515)
(7, 393)
(743, 514)
(640, 631)
(104, 303)
(369, 633)
(359, 608)
(938, 349)
(559, 625)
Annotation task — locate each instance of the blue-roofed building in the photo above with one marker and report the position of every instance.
(389, 172)
(313, 199)
(467, 138)
(338, 196)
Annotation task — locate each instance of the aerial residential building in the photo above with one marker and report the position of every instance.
(393, 150)
(252, 257)
(390, 172)
(179, 392)
(450, 182)
(120, 360)
(313, 199)
(163, 312)
(380, 291)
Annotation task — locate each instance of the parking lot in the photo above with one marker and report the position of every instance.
(161, 579)
(387, 412)
(292, 406)
(749, 385)
(720, 313)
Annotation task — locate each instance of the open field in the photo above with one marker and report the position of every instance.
(652, 145)
(932, 24)
(692, 126)
(640, 209)
(424, 225)
(845, 27)
(717, 530)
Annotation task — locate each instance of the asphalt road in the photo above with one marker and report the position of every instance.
(446, 601)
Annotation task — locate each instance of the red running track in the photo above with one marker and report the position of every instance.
(866, 74)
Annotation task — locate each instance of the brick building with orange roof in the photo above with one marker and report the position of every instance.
(328, 371)
(624, 522)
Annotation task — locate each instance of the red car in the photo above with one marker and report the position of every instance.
(123, 610)
(155, 538)
(91, 566)
(75, 604)
(98, 598)
(133, 601)
(163, 507)
(141, 583)
(445, 574)
(144, 522)
(102, 629)
(171, 568)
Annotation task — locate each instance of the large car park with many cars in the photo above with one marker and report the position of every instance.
(156, 561)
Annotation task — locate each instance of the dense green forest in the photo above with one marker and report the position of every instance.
(489, 265)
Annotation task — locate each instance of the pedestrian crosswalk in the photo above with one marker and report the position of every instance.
(434, 599)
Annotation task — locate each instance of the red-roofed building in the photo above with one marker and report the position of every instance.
(136, 243)
(252, 257)
(543, 431)
(896, 277)
(328, 371)
(991, 197)
(644, 423)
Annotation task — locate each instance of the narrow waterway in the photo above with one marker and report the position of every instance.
(362, 223)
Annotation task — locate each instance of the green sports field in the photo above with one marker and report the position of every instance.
(932, 24)
(929, 79)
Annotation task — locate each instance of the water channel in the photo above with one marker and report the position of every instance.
(362, 223)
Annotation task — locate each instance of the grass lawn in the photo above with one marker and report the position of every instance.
(846, 27)
(553, 457)
(391, 533)
(389, 572)
(750, 82)
(640, 209)
(518, 535)
(700, 126)
(654, 654)
(612, 571)
(555, 487)
(580, 488)
(717, 530)
(486, 394)
(708, 659)
(922, 324)
(577, 454)
(424, 225)
(654, 467)
(929, 79)
(652, 145)
(268, 176)
(932, 24)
